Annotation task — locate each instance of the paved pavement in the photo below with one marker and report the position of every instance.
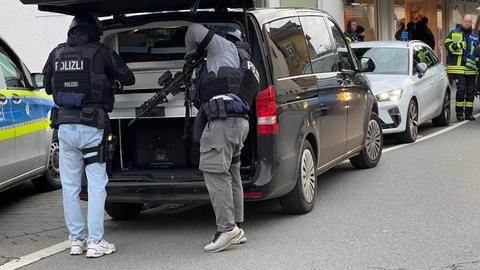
(419, 209)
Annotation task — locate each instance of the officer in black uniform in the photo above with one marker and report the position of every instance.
(225, 88)
(80, 74)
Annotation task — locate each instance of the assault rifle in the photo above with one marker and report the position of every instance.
(169, 85)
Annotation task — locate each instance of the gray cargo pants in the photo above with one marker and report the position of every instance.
(221, 141)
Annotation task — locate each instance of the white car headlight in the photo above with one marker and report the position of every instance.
(393, 95)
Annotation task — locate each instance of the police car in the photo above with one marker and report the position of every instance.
(28, 148)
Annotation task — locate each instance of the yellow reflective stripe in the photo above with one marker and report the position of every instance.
(25, 129)
(469, 104)
(460, 104)
(24, 93)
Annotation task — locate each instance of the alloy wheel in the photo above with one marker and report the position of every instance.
(446, 104)
(413, 120)
(308, 175)
(374, 140)
(53, 170)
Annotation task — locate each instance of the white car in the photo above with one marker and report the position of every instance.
(410, 83)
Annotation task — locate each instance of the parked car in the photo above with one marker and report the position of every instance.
(410, 83)
(27, 149)
(306, 120)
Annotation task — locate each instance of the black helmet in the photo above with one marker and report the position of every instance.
(87, 20)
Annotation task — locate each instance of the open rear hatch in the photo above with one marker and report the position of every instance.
(116, 7)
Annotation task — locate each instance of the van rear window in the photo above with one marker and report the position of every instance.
(158, 44)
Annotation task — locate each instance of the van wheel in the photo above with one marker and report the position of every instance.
(411, 132)
(443, 119)
(123, 211)
(302, 199)
(51, 178)
(371, 154)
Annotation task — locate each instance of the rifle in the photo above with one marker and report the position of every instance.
(169, 85)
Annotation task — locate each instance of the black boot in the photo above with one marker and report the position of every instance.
(460, 117)
(470, 118)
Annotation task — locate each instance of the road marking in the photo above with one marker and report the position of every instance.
(36, 256)
(49, 251)
(429, 136)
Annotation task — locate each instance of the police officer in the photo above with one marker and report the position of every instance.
(80, 74)
(461, 45)
(226, 87)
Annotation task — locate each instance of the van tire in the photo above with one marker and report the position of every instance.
(123, 211)
(302, 200)
(51, 178)
(367, 159)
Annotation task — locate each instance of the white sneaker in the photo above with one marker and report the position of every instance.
(222, 240)
(99, 249)
(241, 240)
(78, 247)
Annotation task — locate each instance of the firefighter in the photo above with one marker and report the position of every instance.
(80, 74)
(461, 45)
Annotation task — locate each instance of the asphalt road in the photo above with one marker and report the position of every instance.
(419, 209)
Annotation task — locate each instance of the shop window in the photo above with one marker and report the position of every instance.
(364, 13)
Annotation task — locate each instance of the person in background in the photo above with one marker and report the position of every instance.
(351, 34)
(423, 33)
(398, 34)
(461, 45)
(410, 30)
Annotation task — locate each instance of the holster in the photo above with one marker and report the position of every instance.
(54, 118)
(215, 109)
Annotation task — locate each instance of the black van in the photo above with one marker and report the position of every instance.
(316, 108)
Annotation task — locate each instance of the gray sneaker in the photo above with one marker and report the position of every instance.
(222, 240)
(99, 249)
(78, 247)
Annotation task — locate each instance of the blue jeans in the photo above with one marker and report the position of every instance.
(73, 138)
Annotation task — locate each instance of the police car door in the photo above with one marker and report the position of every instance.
(30, 133)
(7, 134)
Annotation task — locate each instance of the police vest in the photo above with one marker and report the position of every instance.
(242, 81)
(74, 83)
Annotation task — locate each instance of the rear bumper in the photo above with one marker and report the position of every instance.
(136, 189)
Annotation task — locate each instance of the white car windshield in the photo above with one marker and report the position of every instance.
(387, 60)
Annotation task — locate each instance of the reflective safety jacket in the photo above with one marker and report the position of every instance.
(461, 49)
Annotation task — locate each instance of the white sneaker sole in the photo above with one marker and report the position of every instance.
(92, 253)
(76, 252)
(231, 242)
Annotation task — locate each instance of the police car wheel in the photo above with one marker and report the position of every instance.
(123, 211)
(301, 199)
(51, 178)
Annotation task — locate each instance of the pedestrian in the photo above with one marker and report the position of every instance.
(461, 45)
(351, 34)
(226, 87)
(80, 74)
(423, 33)
(410, 30)
(401, 29)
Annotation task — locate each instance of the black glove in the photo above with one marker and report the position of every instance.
(190, 59)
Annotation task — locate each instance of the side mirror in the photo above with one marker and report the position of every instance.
(422, 69)
(367, 64)
(37, 79)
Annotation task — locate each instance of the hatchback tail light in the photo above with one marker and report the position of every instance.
(267, 118)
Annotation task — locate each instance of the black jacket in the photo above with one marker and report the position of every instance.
(423, 33)
(106, 61)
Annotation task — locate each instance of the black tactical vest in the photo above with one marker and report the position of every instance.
(241, 81)
(74, 83)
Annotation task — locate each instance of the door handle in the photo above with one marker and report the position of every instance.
(17, 99)
(3, 100)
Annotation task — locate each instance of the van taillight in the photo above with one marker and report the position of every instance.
(267, 119)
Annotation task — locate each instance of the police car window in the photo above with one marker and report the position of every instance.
(319, 44)
(288, 48)
(14, 78)
(342, 48)
(383, 59)
(158, 44)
